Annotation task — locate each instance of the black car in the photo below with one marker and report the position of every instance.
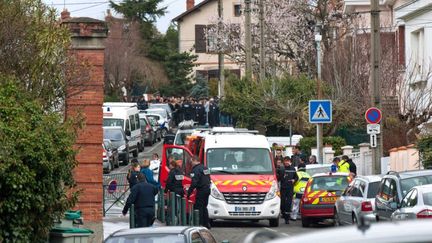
(394, 186)
(168, 234)
(110, 156)
(119, 140)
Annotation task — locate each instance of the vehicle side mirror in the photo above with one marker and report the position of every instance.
(128, 133)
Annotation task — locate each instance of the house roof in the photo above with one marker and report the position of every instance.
(196, 7)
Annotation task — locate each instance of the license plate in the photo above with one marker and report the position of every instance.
(244, 209)
(328, 199)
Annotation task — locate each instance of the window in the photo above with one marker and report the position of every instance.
(413, 199)
(137, 121)
(405, 201)
(329, 183)
(417, 49)
(408, 183)
(237, 10)
(200, 40)
(111, 122)
(180, 154)
(356, 190)
(127, 125)
(207, 236)
(196, 238)
(239, 161)
(393, 191)
(427, 198)
(132, 122)
(373, 189)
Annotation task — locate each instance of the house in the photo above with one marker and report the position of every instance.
(192, 26)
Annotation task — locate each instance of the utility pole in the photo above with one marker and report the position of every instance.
(319, 130)
(221, 85)
(375, 78)
(248, 37)
(262, 50)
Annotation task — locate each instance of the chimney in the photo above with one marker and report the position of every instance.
(190, 4)
(65, 14)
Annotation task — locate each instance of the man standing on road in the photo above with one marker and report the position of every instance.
(287, 176)
(201, 182)
(143, 197)
(352, 166)
(297, 156)
(299, 188)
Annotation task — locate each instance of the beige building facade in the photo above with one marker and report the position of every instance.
(192, 26)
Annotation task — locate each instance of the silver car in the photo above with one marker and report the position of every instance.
(417, 204)
(358, 200)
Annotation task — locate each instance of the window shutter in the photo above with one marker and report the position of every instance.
(200, 40)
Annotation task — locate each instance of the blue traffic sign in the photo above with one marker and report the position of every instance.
(373, 115)
(320, 111)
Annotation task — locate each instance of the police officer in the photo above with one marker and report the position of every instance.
(288, 177)
(187, 110)
(174, 182)
(299, 187)
(200, 113)
(201, 182)
(343, 166)
(143, 197)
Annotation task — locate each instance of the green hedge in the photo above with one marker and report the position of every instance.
(36, 163)
(307, 143)
(424, 145)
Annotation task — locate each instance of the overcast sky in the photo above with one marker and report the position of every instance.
(97, 9)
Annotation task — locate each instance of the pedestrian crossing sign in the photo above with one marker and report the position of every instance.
(320, 111)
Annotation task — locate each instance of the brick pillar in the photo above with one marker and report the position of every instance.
(88, 37)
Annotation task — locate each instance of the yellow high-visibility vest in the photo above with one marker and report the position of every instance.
(343, 166)
(300, 185)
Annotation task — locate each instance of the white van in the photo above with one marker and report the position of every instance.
(125, 115)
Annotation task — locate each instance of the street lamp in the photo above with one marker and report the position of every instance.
(318, 38)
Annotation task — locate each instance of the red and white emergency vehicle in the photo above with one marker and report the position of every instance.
(244, 184)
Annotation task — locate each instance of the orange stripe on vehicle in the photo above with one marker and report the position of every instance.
(251, 182)
(227, 182)
(313, 193)
(262, 183)
(217, 182)
(235, 183)
(323, 194)
(316, 201)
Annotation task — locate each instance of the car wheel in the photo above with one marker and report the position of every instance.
(141, 146)
(305, 222)
(110, 167)
(117, 162)
(336, 219)
(126, 161)
(274, 222)
(160, 136)
(151, 141)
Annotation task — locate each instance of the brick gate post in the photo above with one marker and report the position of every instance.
(88, 37)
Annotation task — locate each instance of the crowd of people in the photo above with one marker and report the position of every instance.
(204, 111)
(292, 182)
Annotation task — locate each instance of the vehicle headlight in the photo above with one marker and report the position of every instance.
(122, 147)
(272, 192)
(214, 192)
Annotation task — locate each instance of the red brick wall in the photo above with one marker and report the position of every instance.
(87, 100)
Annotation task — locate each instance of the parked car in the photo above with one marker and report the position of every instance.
(147, 130)
(390, 232)
(180, 137)
(164, 106)
(110, 156)
(321, 193)
(119, 140)
(156, 128)
(162, 121)
(417, 204)
(177, 234)
(394, 186)
(358, 200)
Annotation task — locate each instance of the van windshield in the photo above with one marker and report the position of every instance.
(239, 161)
(112, 122)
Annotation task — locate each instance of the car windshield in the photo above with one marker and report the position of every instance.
(329, 183)
(112, 122)
(239, 161)
(153, 117)
(427, 198)
(148, 238)
(113, 134)
(373, 189)
(408, 183)
(157, 111)
(180, 139)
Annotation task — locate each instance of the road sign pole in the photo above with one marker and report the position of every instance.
(373, 116)
(320, 143)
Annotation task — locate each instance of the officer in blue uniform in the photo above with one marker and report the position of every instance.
(143, 197)
(201, 182)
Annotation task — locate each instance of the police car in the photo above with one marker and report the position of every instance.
(321, 193)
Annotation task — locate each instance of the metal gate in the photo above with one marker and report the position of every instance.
(115, 192)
